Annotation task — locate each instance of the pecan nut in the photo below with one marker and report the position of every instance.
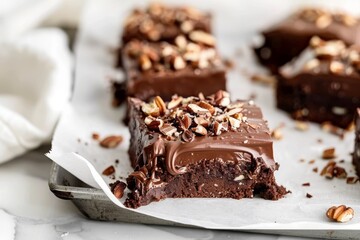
(340, 213)
(111, 141)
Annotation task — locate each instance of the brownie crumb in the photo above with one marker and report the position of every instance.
(302, 160)
(315, 169)
(229, 63)
(308, 195)
(320, 140)
(253, 96)
(342, 161)
(307, 184)
(117, 161)
(108, 171)
(312, 161)
(95, 136)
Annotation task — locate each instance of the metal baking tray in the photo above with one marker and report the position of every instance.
(94, 204)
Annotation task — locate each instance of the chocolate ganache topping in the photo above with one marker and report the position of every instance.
(186, 131)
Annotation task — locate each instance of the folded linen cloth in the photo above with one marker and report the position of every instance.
(35, 86)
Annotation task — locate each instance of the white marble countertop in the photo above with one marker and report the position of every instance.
(28, 210)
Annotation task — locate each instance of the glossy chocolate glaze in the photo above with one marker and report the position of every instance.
(290, 37)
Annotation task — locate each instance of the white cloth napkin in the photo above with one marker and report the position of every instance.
(19, 16)
(35, 86)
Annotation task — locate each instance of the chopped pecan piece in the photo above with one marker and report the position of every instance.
(108, 171)
(200, 130)
(167, 129)
(329, 153)
(111, 141)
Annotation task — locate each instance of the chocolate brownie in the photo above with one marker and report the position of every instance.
(322, 85)
(289, 38)
(159, 23)
(188, 67)
(199, 147)
(356, 156)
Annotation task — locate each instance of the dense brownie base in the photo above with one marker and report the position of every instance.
(210, 179)
(119, 93)
(315, 106)
(185, 85)
(356, 154)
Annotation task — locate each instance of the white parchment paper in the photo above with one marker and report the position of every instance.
(236, 24)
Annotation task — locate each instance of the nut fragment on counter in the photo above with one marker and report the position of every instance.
(301, 126)
(263, 79)
(352, 180)
(111, 141)
(276, 133)
(108, 171)
(328, 153)
(117, 188)
(340, 213)
(332, 170)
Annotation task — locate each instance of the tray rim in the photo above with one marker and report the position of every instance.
(89, 193)
(62, 191)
